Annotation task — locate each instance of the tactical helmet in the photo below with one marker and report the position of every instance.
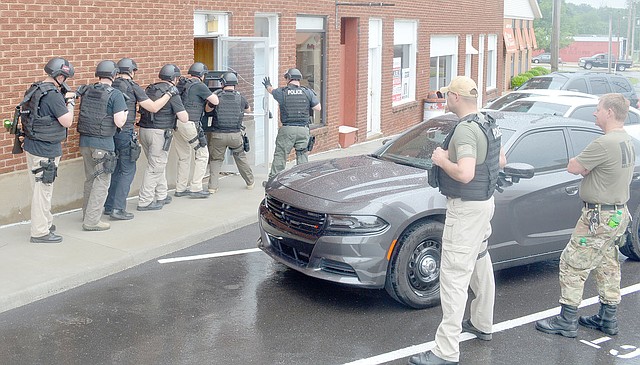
(169, 72)
(229, 78)
(198, 69)
(59, 66)
(106, 69)
(293, 74)
(127, 66)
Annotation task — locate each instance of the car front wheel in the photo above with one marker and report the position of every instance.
(536, 61)
(631, 249)
(621, 67)
(413, 278)
(588, 66)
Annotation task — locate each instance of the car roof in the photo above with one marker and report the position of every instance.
(553, 92)
(561, 99)
(522, 121)
(568, 75)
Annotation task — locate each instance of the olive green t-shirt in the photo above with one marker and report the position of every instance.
(468, 140)
(610, 160)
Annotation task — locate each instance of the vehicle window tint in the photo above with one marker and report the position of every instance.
(553, 156)
(536, 107)
(632, 118)
(554, 83)
(599, 86)
(578, 85)
(620, 85)
(584, 113)
(581, 138)
(501, 102)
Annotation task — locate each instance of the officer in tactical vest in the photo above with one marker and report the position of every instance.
(295, 104)
(127, 146)
(156, 133)
(195, 94)
(45, 115)
(226, 132)
(467, 173)
(102, 111)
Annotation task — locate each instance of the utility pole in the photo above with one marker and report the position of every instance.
(628, 52)
(555, 35)
(610, 30)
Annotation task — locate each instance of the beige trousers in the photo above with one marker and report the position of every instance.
(154, 180)
(41, 217)
(187, 132)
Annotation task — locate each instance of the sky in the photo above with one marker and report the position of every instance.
(601, 3)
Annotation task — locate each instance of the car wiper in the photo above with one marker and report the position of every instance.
(407, 161)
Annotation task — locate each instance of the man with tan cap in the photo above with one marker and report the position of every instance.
(466, 169)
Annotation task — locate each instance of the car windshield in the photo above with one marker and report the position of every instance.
(552, 83)
(536, 107)
(501, 102)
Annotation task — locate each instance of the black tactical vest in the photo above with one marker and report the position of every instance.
(193, 104)
(164, 118)
(229, 113)
(126, 86)
(296, 106)
(39, 127)
(93, 119)
(486, 174)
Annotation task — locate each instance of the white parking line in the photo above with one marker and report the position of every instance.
(208, 256)
(498, 327)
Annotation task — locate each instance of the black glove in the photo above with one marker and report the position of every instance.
(173, 91)
(266, 82)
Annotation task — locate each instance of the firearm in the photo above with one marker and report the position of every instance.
(12, 128)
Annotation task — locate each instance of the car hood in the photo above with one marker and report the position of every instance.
(352, 179)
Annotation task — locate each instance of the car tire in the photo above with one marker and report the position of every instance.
(622, 67)
(588, 66)
(631, 249)
(413, 277)
(536, 61)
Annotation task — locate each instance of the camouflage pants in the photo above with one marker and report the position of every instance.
(592, 251)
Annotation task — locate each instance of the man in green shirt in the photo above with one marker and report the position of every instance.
(607, 166)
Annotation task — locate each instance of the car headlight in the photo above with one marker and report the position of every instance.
(354, 224)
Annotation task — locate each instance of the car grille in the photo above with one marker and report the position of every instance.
(294, 250)
(298, 219)
(338, 268)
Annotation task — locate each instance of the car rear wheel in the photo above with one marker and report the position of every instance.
(622, 67)
(413, 278)
(588, 66)
(631, 249)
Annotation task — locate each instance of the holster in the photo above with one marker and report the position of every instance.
(312, 141)
(134, 150)
(200, 137)
(168, 136)
(109, 162)
(49, 171)
(246, 146)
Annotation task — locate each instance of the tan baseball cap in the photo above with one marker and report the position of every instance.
(461, 85)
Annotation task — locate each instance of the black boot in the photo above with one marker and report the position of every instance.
(604, 321)
(566, 324)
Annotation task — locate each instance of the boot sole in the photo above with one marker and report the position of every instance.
(570, 334)
(598, 328)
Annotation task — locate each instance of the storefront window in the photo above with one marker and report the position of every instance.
(404, 62)
(310, 43)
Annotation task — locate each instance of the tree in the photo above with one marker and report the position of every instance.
(544, 25)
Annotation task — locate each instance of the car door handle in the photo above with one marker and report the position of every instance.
(571, 190)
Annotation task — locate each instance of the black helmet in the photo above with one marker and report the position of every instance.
(293, 74)
(198, 69)
(229, 78)
(107, 69)
(59, 66)
(127, 66)
(169, 72)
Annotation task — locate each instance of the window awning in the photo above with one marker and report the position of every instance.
(509, 40)
(470, 49)
(533, 38)
(520, 39)
(525, 32)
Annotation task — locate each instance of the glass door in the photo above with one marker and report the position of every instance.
(248, 57)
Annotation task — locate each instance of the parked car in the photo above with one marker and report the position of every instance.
(595, 83)
(506, 99)
(579, 108)
(602, 60)
(544, 58)
(372, 221)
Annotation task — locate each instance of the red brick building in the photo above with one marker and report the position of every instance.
(371, 64)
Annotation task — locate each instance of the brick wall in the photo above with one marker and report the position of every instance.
(155, 33)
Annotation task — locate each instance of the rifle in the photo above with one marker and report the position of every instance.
(13, 129)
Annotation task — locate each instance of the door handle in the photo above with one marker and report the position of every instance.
(571, 190)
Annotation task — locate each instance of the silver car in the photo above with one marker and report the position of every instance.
(373, 221)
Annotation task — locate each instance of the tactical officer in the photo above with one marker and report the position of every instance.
(126, 141)
(45, 118)
(102, 110)
(156, 133)
(467, 173)
(227, 132)
(195, 94)
(295, 103)
(606, 165)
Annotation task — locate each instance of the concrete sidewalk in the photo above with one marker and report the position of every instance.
(29, 272)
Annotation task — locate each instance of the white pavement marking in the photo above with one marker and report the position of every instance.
(208, 256)
(590, 344)
(502, 326)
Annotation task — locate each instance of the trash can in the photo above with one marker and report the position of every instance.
(433, 105)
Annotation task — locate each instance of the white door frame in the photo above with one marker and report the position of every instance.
(374, 95)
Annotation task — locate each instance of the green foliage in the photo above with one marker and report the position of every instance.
(528, 74)
(534, 72)
(516, 81)
(541, 70)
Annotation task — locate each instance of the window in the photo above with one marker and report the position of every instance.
(599, 86)
(584, 113)
(536, 107)
(404, 61)
(443, 52)
(620, 85)
(492, 61)
(581, 139)
(553, 156)
(578, 85)
(310, 44)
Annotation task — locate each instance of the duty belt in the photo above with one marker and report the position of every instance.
(603, 206)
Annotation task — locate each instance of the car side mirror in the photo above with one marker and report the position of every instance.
(386, 140)
(512, 173)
